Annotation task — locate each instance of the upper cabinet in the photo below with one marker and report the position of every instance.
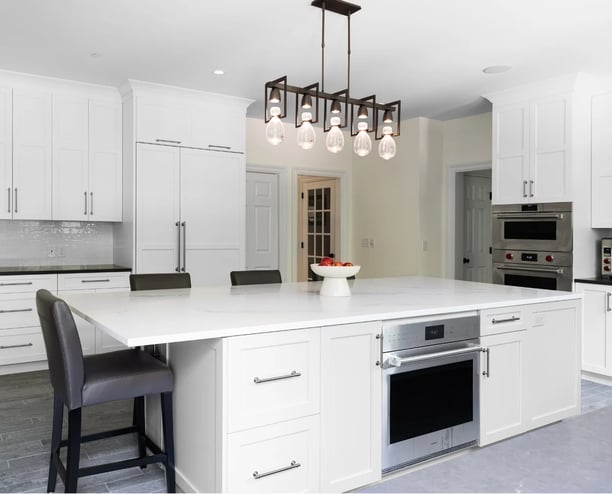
(6, 152)
(601, 161)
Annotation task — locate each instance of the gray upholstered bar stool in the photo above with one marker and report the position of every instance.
(80, 381)
(255, 277)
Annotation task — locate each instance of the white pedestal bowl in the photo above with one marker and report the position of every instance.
(334, 279)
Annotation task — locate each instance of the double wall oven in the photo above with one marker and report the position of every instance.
(532, 245)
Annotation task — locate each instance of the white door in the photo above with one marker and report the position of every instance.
(261, 220)
(158, 188)
(318, 223)
(212, 215)
(6, 153)
(105, 161)
(70, 158)
(32, 160)
(477, 258)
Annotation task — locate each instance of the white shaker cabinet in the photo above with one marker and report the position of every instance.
(162, 120)
(32, 155)
(6, 152)
(531, 150)
(601, 161)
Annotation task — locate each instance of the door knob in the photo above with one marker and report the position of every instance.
(466, 260)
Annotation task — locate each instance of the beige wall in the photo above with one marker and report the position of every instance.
(400, 204)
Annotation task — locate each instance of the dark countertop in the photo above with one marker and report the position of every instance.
(75, 268)
(595, 281)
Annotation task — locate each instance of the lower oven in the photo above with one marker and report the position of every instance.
(535, 269)
(430, 388)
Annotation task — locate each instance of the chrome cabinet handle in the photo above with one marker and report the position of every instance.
(6, 347)
(531, 187)
(167, 140)
(91, 203)
(85, 210)
(17, 283)
(184, 246)
(16, 200)
(7, 311)
(178, 248)
(277, 378)
(219, 147)
(105, 280)
(608, 308)
(524, 188)
(500, 321)
(292, 465)
(9, 200)
(487, 373)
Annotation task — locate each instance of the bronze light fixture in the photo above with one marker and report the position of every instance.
(340, 110)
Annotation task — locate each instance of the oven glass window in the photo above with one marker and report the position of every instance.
(431, 399)
(531, 281)
(530, 230)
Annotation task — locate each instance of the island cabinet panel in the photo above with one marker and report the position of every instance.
(552, 363)
(350, 406)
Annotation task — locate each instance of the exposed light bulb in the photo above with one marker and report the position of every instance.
(275, 130)
(306, 135)
(275, 95)
(387, 148)
(335, 138)
(362, 144)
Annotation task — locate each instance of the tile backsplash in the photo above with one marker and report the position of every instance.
(33, 243)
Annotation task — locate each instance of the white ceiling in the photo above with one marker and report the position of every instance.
(428, 53)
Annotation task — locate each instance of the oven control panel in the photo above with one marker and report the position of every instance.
(404, 334)
(541, 258)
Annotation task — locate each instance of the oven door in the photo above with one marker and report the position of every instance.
(532, 231)
(549, 278)
(430, 402)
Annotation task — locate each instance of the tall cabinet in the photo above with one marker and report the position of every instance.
(185, 182)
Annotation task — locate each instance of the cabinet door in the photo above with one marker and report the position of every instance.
(350, 406)
(162, 121)
(70, 158)
(511, 153)
(6, 153)
(596, 345)
(552, 378)
(601, 161)
(218, 126)
(157, 190)
(212, 214)
(105, 161)
(550, 145)
(501, 387)
(32, 163)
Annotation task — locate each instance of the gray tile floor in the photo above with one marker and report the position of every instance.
(574, 455)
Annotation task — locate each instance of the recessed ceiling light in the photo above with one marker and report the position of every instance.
(218, 71)
(496, 69)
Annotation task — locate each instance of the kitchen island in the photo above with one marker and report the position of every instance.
(317, 422)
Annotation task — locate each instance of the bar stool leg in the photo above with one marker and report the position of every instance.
(139, 422)
(56, 437)
(167, 420)
(74, 449)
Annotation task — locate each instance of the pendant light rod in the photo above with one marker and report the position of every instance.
(348, 53)
(323, 46)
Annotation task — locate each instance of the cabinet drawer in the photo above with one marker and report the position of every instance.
(93, 281)
(18, 311)
(277, 458)
(25, 347)
(272, 377)
(27, 283)
(503, 320)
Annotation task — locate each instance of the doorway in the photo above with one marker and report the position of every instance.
(318, 222)
(470, 224)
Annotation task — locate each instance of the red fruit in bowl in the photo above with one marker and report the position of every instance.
(338, 263)
(326, 261)
(348, 264)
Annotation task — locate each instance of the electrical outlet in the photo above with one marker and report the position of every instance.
(51, 253)
(365, 243)
(371, 243)
(59, 252)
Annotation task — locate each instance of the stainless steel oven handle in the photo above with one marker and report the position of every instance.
(530, 216)
(395, 361)
(528, 268)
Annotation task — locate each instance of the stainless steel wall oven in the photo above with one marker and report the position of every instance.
(430, 388)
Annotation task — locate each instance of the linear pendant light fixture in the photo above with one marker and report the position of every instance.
(362, 116)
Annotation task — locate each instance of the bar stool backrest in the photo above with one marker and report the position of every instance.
(159, 281)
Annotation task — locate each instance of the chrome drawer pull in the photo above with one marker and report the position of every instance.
(95, 281)
(6, 347)
(20, 283)
(294, 464)
(511, 319)
(167, 140)
(6, 311)
(277, 378)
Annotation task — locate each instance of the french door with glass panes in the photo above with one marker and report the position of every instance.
(318, 224)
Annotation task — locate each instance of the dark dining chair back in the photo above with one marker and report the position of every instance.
(79, 381)
(255, 277)
(159, 281)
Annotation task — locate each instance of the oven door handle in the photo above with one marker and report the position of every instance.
(529, 268)
(529, 216)
(395, 361)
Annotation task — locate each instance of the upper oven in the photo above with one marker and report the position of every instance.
(540, 227)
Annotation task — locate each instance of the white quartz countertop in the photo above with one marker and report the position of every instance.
(166, 316)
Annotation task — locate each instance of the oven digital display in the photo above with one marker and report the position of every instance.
(607, 251)
(531, 257)
(434, 332)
